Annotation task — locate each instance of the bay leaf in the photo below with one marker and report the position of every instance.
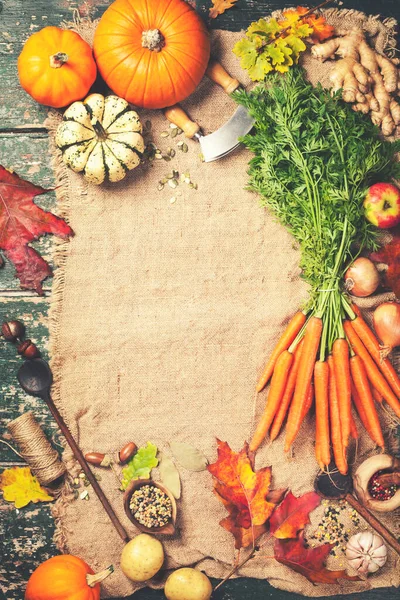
(188, 457)
(169, 475)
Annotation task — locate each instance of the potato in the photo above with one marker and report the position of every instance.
(188, 584)
(142, 557)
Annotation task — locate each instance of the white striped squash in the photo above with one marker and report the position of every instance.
(101, 138)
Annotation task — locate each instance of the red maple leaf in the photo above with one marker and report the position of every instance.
(292, 515)
(390, 255)
(21, 222)
(244, 493)
(308, 561)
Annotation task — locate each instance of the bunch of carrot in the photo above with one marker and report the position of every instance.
(352, 374)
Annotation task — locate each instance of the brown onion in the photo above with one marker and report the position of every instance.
(362, 278)
(387, 325)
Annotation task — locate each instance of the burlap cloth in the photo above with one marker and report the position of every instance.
(163, 313)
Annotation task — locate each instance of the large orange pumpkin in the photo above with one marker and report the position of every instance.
(65, 577)
(56, 67)
(153, 53)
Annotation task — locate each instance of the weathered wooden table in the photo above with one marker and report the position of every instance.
(26, 534)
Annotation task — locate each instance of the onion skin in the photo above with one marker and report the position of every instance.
(387, 325)
(362, 278)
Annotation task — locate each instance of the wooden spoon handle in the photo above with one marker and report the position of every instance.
(85, 468)
(373, 521)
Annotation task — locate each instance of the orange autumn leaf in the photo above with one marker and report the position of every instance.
(322, 31)
(219, 7)
(244, 493)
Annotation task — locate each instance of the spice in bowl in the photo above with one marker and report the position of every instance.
(379, 491)
(150, 506)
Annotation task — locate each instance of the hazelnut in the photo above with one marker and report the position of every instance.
(12, 330)
(28, 349)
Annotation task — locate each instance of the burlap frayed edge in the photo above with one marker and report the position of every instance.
(60, 253)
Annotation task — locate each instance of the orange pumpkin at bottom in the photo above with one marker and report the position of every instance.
(65, 577)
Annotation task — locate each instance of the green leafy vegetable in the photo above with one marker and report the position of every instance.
(314, 159)
(140, 466)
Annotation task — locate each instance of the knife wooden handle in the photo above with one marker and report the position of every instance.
(217, 74)
(176, 115)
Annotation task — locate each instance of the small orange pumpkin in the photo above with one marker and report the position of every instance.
(56, 67)
(65, 577)
(152, 53)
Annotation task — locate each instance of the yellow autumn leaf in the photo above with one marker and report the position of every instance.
(21, 487)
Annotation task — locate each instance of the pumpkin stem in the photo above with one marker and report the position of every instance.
(153, 39)
(57, 60)
(98, 577)
(99, 129)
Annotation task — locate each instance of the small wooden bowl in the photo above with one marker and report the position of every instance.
(169, 528)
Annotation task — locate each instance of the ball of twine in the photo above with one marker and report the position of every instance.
(36, 449)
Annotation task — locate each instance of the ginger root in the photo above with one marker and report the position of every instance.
(369, 80)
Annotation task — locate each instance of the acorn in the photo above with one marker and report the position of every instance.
(28, 349)
(126, 452)
(12, 330)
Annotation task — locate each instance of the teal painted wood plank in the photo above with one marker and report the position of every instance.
(13, 400)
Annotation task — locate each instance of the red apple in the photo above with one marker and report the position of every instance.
(382, 205)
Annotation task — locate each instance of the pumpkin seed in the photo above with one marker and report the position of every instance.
(173, 126)
(174, 133)
(172, 200)
(183, 177)
(160, 186)
(194, 186)
(187, 180)
(76, 494)
(175, 174)
(158, 155)
(180, 144)
(83, 494)
(166, 158)
(179, 130)
(164, 180)
(173, 183)
(81, 475)
(185, 148)
(164, 134)
(171, 152)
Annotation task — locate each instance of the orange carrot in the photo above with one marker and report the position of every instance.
(340, 353)
(321, 386)
(361, 384)
(277, 389)
(308, 402)
(374, 375)
(372, 345)
(306, 368)
(376, 395)
(361, 412)
(288, 336)
(288, 395)
(334, 419)
(353, 428)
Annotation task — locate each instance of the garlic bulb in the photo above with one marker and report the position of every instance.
(366, 552)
